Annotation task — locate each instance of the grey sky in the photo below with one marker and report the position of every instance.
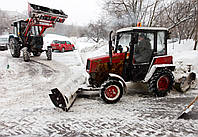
(80, 12)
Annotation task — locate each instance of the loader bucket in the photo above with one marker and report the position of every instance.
(61, 101)
(46, 13)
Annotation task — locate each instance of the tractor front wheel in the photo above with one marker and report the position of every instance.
(26, 54)
(14, 48)
(161, 82)
(111, 91)
(49, 53)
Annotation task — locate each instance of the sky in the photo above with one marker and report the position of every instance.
(80, 12)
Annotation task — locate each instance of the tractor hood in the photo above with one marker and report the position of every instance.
(93, 63)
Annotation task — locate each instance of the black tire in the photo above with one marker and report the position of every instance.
(49, 53)
(14, 48)
(26, 55)
(63, 50)
(37, 53)
(161, 82)
(73, 48)
(111, 91)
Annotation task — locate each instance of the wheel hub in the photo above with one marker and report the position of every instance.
(111, 92)
(163, 83)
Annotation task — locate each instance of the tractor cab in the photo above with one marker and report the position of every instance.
(20, 27)
(148, 42)
(142, 45)
(28, 35)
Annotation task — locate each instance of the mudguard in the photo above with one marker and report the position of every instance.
(117, 77)
(151, 71)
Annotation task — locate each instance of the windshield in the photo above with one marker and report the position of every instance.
(3, 40)
(123, 41)
(62, 42)
(55, 41)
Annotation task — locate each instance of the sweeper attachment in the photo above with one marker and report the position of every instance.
(187, 109)
(184, 78)
(139, 55)
(28, 34)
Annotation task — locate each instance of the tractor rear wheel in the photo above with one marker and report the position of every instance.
(111, 91)
(161, 82)
(14, 48)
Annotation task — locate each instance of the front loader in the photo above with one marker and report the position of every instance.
(28, 34)
(130, 60)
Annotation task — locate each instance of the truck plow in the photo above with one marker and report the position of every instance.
(61, 101)
(65, 102)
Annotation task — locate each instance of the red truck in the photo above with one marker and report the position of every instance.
(62, 46)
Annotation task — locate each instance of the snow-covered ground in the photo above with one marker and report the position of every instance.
(26, 109)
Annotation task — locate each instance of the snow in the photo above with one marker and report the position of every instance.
(26, 109)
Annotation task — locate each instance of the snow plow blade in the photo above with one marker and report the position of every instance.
(187, 109)
(45, 13)
(185, 83)
(61, 101)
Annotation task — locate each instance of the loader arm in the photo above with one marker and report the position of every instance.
(42, 17)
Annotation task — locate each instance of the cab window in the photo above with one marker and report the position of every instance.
(161, 43)
(144, 48)
(123, 41)
(62, 42)
(68, 42)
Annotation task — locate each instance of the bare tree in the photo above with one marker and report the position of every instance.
(4, 22)
(97, 31)
(129, 12)
(179, 17)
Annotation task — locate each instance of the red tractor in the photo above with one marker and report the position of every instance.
(28, 34)
(139, 54)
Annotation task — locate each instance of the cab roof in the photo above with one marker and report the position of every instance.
(141, 28)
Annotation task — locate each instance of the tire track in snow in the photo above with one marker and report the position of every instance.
(23, 113)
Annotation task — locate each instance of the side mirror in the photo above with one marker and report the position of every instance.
(134, 38)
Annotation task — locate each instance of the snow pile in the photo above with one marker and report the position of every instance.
(3, 63)
(184, 54)
(89, 49)
(184, 57)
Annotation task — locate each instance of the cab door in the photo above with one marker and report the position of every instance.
(142, 56)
